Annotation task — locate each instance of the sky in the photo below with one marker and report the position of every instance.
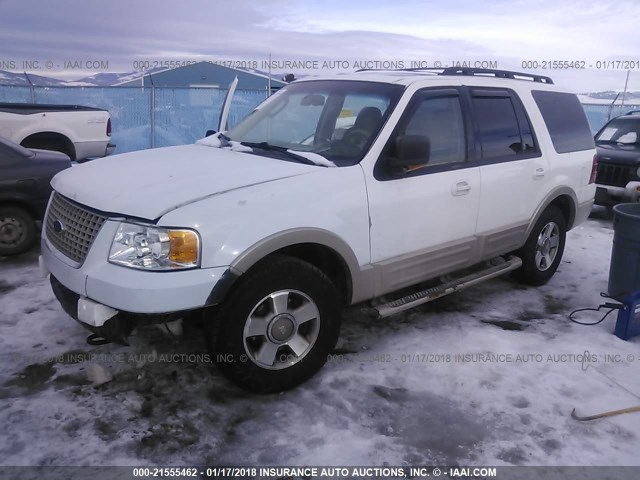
(70, 39)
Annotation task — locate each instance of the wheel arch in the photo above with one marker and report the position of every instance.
(20, 203)
(70, 148)
(565, 199)
(321, 248)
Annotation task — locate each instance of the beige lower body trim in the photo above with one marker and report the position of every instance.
(399, 272)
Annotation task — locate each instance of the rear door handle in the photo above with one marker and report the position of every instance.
(460, 188)
(539, 173)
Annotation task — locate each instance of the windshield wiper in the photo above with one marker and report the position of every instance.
(276, 148)
(224, 140)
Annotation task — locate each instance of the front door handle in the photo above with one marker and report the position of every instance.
(460, 188)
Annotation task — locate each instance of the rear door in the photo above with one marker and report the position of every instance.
(513, 173)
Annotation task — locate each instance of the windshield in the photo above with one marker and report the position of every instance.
(336, 119)
(623, 131)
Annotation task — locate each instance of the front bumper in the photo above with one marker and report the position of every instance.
(116, 329)
(609, 195)
(128, 289)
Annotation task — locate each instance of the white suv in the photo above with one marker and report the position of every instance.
(332, 192)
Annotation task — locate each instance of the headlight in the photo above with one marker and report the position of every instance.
(154, 248)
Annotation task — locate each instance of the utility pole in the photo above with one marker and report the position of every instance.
(31, 87)
(153, 111)
(626, 82)
(269, 92)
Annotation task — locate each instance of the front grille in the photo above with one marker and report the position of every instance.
(615, 175)
(76, 229)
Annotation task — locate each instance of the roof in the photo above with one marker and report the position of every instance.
(453, 76)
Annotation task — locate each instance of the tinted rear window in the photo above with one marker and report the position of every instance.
(565, 120)
(498, 124)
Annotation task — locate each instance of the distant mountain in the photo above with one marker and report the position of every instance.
(19, 79)
(103, 79)
(611, 95)
(108, 79)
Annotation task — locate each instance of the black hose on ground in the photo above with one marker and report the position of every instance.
(609, 305)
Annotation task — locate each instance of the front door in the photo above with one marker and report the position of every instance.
(423, 216)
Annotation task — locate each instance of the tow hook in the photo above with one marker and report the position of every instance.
(94, 339)
(115, 330)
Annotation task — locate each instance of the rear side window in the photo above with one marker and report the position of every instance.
(565, 120)
(504, 129)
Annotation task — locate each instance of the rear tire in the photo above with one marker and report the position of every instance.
(543, 250)
(277, 326)
(17, 230)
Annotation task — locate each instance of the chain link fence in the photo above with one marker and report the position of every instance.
(148, 117)
(600, 114)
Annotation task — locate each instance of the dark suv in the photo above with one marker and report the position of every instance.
(618, 145)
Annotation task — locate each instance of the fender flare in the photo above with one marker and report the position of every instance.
(277, 241)
(549, 199)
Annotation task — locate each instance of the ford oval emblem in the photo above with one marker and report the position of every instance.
(58, 226)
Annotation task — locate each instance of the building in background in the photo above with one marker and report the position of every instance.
(205, 74)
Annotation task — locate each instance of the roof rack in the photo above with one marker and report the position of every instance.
(471, 72)
(496, 73)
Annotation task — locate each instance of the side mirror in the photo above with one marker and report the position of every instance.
(411, 150)
(209, 133)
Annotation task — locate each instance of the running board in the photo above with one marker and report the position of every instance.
(419, 298)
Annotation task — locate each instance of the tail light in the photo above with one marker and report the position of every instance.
(594, 170)
(109, 128)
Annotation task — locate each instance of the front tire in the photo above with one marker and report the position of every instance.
(17, 230)
(543, 250)
(277, 326)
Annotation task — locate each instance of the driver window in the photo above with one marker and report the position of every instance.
(440, 120)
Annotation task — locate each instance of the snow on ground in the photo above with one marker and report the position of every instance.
(395, 393)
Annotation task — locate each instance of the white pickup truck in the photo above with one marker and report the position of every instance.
(267, 230)
(80, 132)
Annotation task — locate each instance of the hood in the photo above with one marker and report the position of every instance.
(149, 183)
(618, 154)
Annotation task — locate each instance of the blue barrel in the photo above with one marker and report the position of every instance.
(624, 272)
